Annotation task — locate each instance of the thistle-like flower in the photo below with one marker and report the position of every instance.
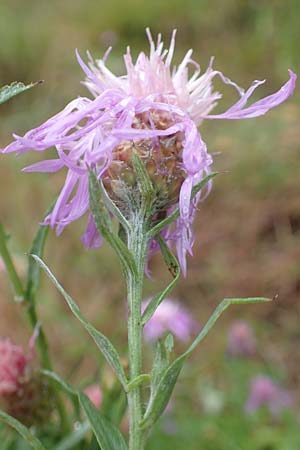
(152, 110)
(265, 392)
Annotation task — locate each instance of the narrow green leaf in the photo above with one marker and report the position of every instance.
(69, 442)
(37, 248)
(160, 364)
(15, 88)
(167, 382)
(102, 342)
(71, 392)
(225, 303)
(108, 436)
(26, 434)
(104, 226)
(163, 392)
(10, 267)
(144, 181)
(175, 214)
(169, 344)
(174, 268)
(66, 387)
(141, 379)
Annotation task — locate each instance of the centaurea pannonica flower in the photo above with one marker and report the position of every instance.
(153, 110)
(172, 317)
(265, 392)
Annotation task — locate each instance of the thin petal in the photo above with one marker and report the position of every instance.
(261, 106)
(48, 165)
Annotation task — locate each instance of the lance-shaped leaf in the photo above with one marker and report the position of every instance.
(26, 434)
(15, 88)
(160, 364)
(102, 342)
(144, 182)
(107, 435)
(104, 225)
(158, 403)
(175, 214)
(174, 268)
(10, 267)
(144, 378)
(37, 248)
(66, 387)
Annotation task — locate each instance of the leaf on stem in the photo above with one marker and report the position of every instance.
(15, 88)
(26, 434)
(104, 225)
(37, 248)
(66, 387)
(10, 267)
(108, 436)
(144, 182)
(102, 342)
(174, 268)
(168, 379)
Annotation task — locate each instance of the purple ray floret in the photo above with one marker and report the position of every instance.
(87, 131)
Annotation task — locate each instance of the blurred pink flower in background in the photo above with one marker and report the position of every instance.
(265, 392)
(13, 365)
(94, 393)
(241, 339)
(173, 317)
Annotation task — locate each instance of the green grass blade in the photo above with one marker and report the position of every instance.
(26, 434)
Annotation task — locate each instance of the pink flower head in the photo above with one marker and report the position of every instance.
(241, 339)
(264, 392)
(152, 108)
(172, 317)
(94, 393)
(13, 364)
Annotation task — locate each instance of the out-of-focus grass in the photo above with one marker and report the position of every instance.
(247, 230)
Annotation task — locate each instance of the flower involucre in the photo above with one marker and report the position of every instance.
(152, 110)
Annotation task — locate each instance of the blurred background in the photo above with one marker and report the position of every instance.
(247, 231)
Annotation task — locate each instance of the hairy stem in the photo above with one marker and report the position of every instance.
(137, 244)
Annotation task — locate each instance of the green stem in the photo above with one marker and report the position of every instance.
(137, 244)
(10, 268)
